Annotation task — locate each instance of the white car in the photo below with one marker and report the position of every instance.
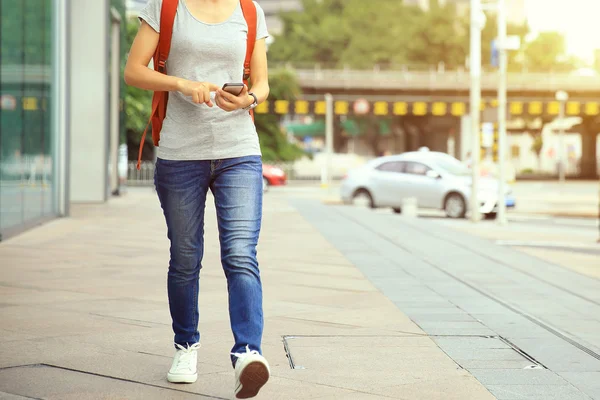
(435, 180)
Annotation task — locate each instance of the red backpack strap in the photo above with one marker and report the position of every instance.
(249, 10)
(167, 20)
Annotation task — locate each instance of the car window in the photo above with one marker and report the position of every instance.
(416, 168)
(452, 165)
(392, 166)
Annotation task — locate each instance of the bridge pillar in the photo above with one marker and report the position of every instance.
(589, 139)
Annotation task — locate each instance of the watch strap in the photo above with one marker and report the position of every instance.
(254, 104)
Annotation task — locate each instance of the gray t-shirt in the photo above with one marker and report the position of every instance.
(206, 53)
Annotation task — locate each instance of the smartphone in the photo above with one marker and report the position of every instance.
(233, 88)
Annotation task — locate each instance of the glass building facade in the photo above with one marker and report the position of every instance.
(27, 184)
(41, 44)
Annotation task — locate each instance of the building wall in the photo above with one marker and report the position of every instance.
(27, 179)
(89, 123)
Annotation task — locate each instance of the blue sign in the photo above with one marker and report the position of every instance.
(495, 58)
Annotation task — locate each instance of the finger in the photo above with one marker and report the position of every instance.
(223, 104)
(244, 92)
(206, 94)
(219, 102)
(212, 87)
(195, 97)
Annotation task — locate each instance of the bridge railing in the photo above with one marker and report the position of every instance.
(440, 79)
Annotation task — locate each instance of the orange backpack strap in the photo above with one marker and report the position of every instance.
(167, 20)
(249, 10)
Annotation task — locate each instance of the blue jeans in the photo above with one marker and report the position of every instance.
(236, 184)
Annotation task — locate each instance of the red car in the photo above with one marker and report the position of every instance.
(273, 176)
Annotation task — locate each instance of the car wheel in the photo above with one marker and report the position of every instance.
(397, 210)
(490, 216)
(265, 184)
(363, 197)
(455, 206)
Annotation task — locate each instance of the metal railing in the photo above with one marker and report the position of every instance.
(145, 176)
(438, 78)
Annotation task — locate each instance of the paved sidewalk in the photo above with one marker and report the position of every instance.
(571, 199)
(83, 311)
(524, 327)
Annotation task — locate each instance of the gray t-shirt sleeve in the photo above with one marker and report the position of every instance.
(261, 23)
(151, 14)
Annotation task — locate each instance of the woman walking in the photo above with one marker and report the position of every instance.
(208, 141)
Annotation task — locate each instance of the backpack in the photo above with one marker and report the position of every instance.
(159, 100)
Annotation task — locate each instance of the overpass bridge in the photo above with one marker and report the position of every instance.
(437, 93)
(432, 103)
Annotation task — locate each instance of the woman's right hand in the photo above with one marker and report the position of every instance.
(198, 91)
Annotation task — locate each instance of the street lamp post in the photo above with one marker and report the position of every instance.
(326, 178)
(477, 22)
(502, 64)
(561, 97)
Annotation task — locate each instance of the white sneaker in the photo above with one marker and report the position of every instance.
(251, 373)
(184, 368)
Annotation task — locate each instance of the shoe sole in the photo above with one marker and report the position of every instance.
(253, 378)
(173, 378)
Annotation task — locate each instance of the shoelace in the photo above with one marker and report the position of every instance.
(248, 352)
(186, 354)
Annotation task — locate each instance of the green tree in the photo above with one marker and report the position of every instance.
(377, 32)
(490, 32)
(548, 52)
(537, 146)
(314, 34)
(273, 142)
(438, 35)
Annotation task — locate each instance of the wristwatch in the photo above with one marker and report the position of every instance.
(254, 103)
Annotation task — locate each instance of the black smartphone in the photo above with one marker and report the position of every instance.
(233, 88)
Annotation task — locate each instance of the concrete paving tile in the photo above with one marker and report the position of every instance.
(60, 384)
(41, 295)
(361, 342)
(465, 353)
(385, 317)
(470, 342)
(361, 371)
(517, 377)
(587, 382)
(7, 335)
(558, 355)
(493, 364)
(280, 387)
(463, 388)
(433, 317)
(416, 310)
(9, 396)
(536, 392)
(352, 395)
(456, 331)
(134, 366)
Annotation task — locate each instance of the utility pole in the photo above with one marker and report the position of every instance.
(561, 97)
(502, 64)
(475, 70)
(326, 178)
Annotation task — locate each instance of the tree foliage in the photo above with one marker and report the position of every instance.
(273, 142)
(361, 34)
(547, 52)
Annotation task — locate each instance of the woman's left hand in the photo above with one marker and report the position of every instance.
(230, 102)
